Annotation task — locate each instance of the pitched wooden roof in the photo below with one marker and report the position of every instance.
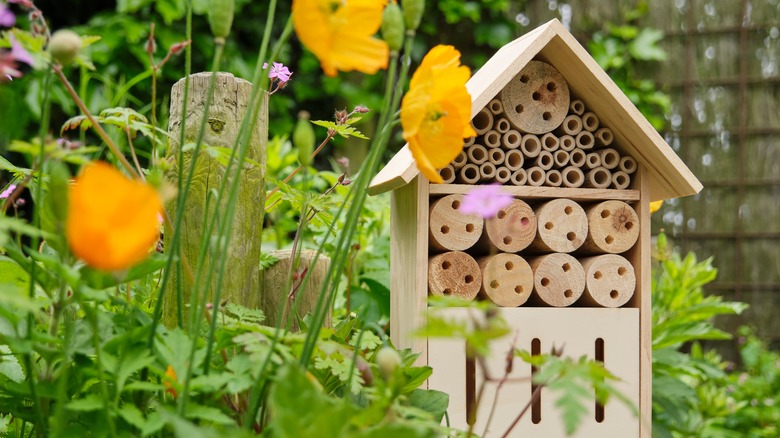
(552, 43)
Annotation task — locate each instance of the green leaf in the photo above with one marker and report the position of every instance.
(9, 364)
(103, 280)
(207, 413)
(345, 131)
(430, 400)
(267, 260)
(92, 402)
(132, 415)
(645, 46)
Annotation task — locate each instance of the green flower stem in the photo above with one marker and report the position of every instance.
(92, 316)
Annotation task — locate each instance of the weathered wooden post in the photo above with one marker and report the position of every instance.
(242, 280)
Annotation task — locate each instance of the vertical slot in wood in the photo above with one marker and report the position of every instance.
(599, 358)
(536, 402)
(471, 389)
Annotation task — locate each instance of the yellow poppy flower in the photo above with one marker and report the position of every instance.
(340, 33)
(435, 112)
(655, 206)
(112, 220)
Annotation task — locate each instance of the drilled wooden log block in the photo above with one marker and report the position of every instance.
(454, 273)
(610, 281)
(513, 228)
(450, 230)
(537, 99)
(613, 227)
(507, 279)
(562, 226)
(559, 280)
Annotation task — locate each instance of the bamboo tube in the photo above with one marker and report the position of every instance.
(447, 174)
(572, 125)
(559, 280)
(449, 229)
(487, 171)
(610, 281)
(495, 106)
(577, 158)
(590, 122)
(530, 145)
(550, 142)
(604, 137)
(513, 228)
(592, 160)
(545, 160)
(513, 159)
(519, 177)
(609, 158)
(461, 160)
(503, 175)
(573, 177)
(536, 100)
(477, 154)
(598, 178)
(620, 180)
(536, 176)
(563, 226)
(553, 178)
(567, 143)
(492, 139)
(469, 174)
(482, 121)
(512, 139)
(507, 279)
(454, 273)
(613, 228)
(561, 159)
(628, 165)
(469, 141)
(502, 125)
(577, 107)
(496, 156)
(585, 140)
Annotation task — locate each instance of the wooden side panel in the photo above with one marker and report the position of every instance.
(409, 265)
(577, 330)
(642, 266)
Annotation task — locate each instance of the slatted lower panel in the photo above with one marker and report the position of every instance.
(578, 331)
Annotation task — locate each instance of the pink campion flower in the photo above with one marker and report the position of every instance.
(19, 53)
(7, 18)
(8, 191)
(485, 201)
(278, 71)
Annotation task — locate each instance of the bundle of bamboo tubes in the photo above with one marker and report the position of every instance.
(533, 133)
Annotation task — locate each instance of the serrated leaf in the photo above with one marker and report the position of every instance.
(77, 122)
(267, 260)
(9, 364)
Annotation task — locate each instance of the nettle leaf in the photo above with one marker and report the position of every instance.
(345, 131)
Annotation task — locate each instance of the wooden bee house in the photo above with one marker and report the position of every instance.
(568, 261)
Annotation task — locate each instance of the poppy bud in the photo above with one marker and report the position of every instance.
(393, 27)
(221, 17)
(65, 46)
(413, 12)
(387, 359)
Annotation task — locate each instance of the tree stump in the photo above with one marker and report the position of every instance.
(242, 282)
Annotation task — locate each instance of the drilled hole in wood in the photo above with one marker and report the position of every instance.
(469, 228)
(507, 240)
(545, 282)
(605, 214)
(524, 221)
(519, 290)
(468, 279)
(494, 284)
(609, 240)
(455, 205)
(622, 271)
(597, 275)
(566, 267)
(613, 294)
(536, 96)
(568, 293)
(501, 214)
(447, 291)
(445, 264)
(568, 209)
(445, 229)
(519, 109)
(549, 226)
(571, 235)
(509, 266)
(546, 116)
(629, 225)
(524, 79)
(551, 86)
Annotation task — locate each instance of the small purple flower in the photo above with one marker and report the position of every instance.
(8, 191)
(278, 71)
(7, 18)
(19, 53)
(485, 201)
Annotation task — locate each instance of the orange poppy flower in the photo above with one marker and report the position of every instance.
(170, 380)
(112, 220)
(340, 33)
(435, 112)
(655, 206)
